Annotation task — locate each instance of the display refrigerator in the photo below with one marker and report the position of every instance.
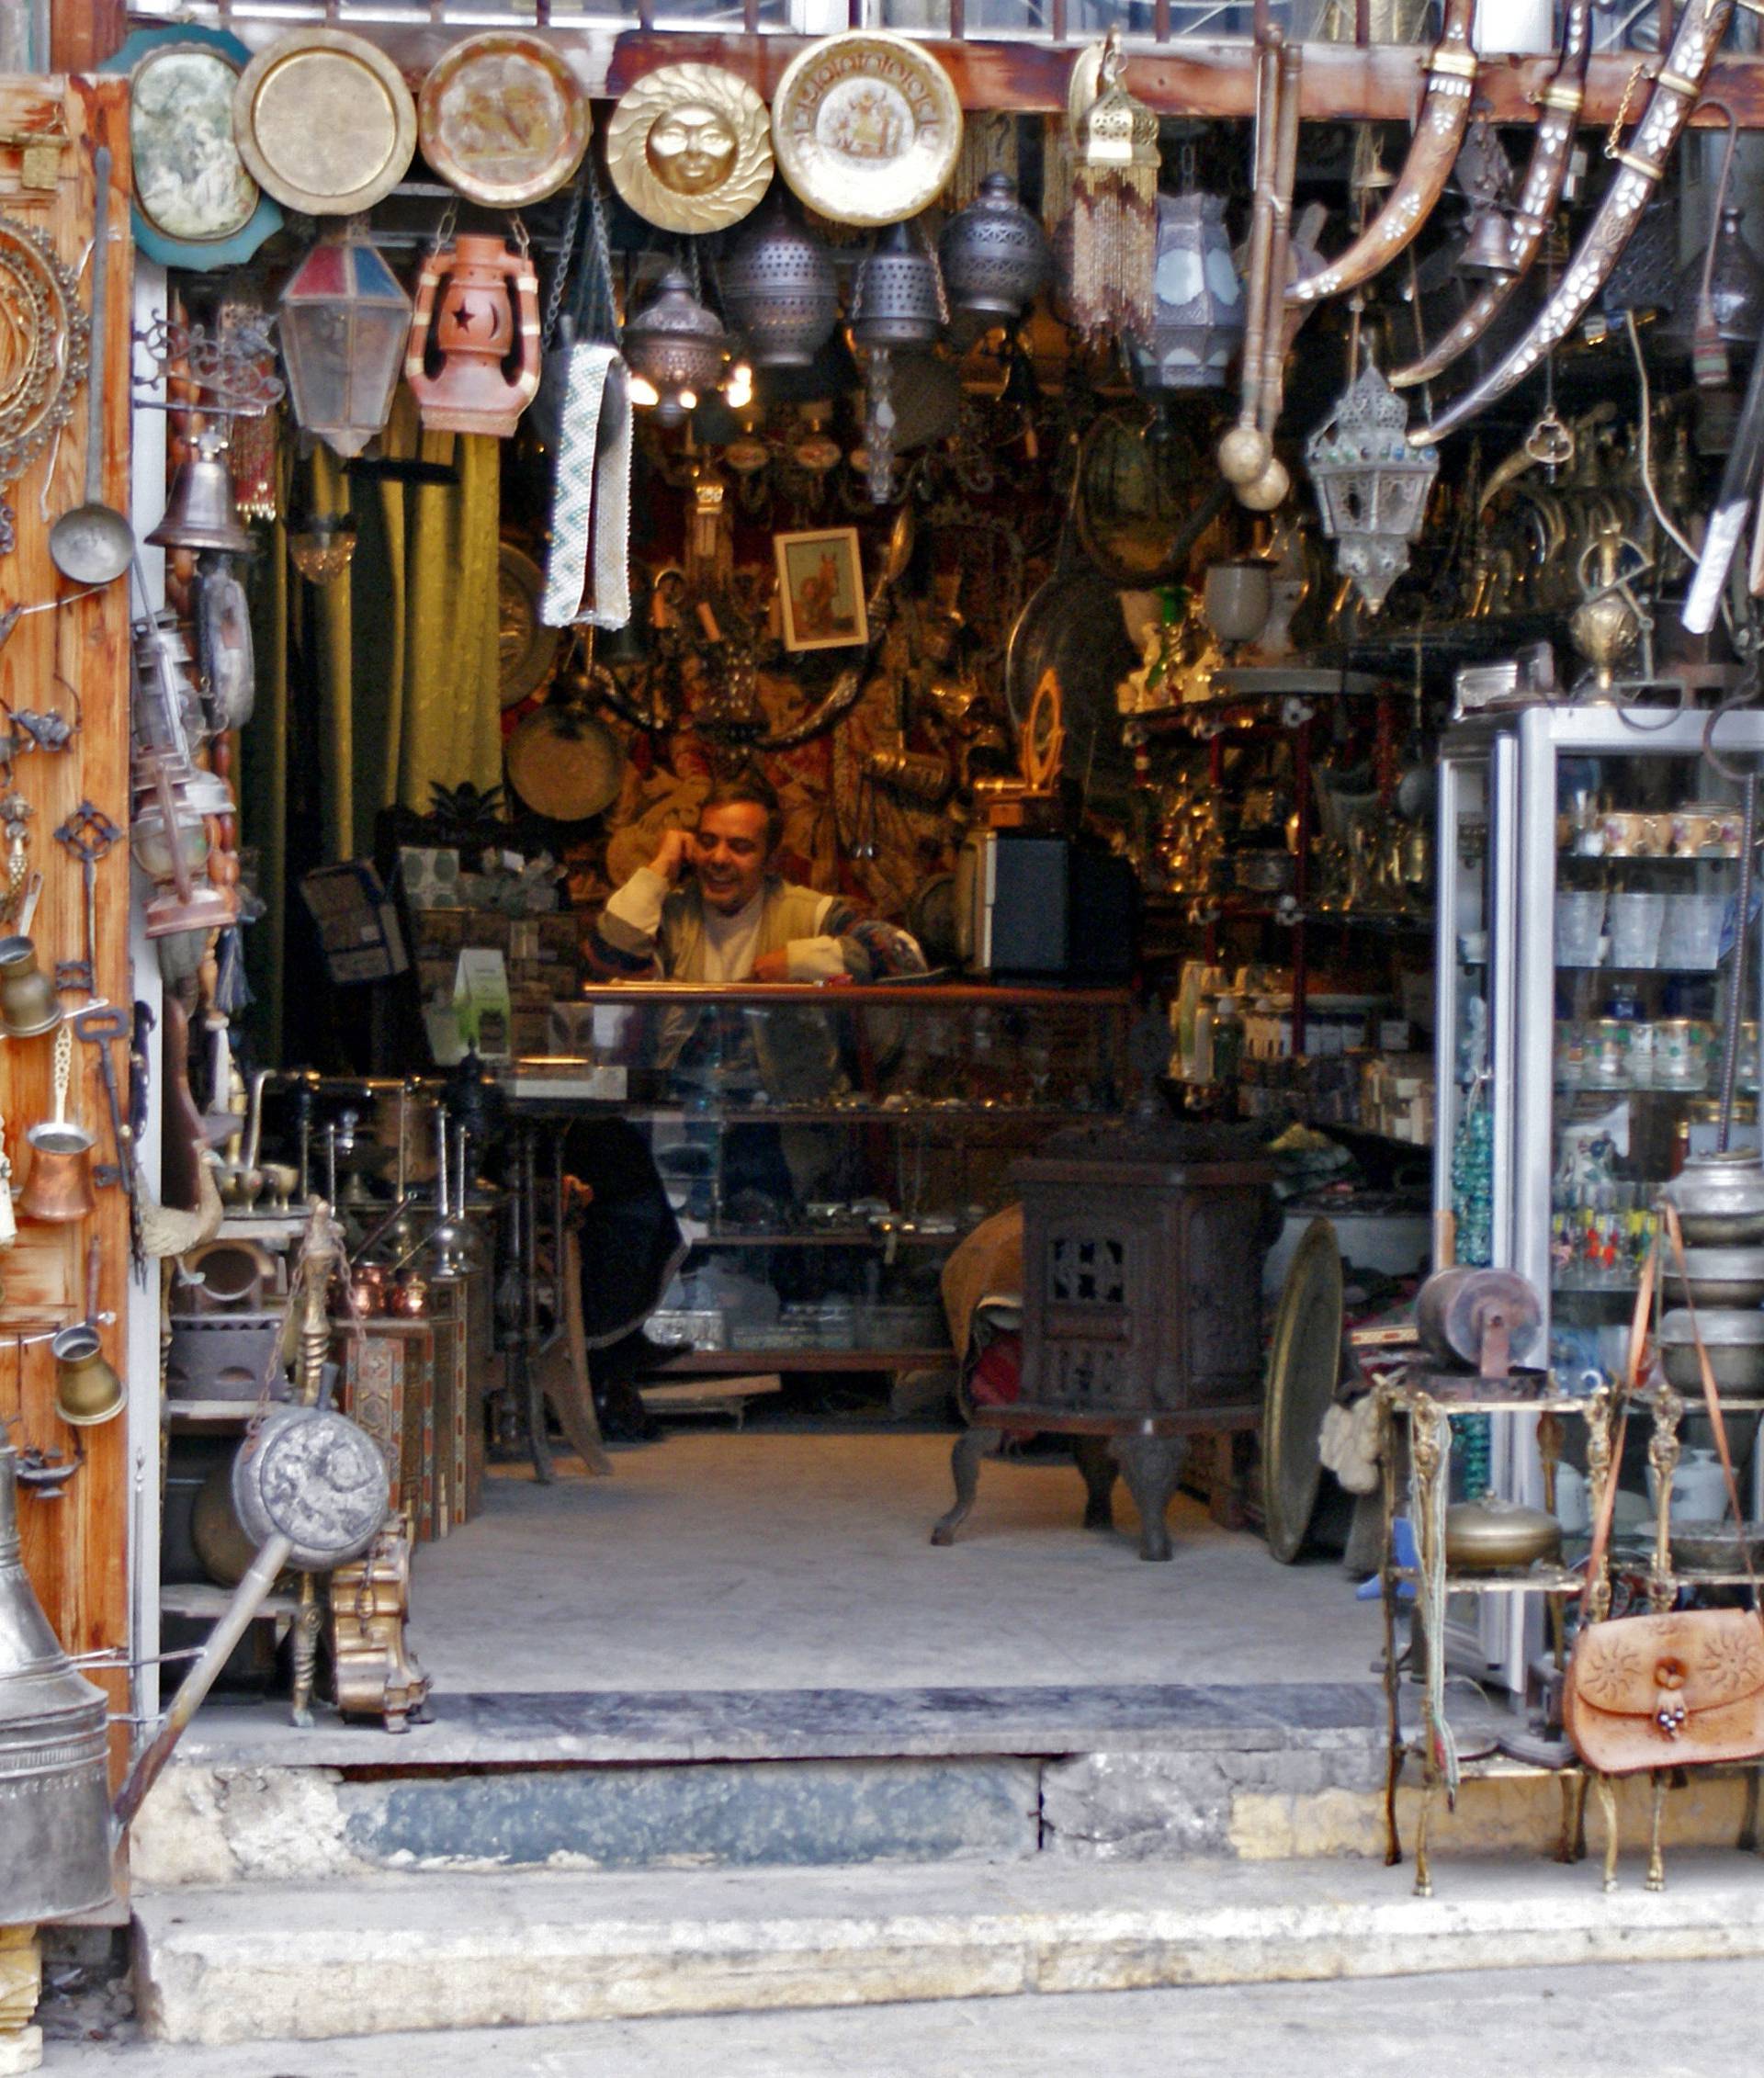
(1588, 878)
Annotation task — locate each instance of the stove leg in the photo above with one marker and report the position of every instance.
(1099, 1472)
(1150, 1464)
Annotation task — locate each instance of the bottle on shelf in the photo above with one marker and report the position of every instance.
(1227, 1040)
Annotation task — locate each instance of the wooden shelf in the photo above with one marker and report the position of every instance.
(703, 1364)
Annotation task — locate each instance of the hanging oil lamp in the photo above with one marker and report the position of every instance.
(344, 323)
(323, 546)
(896, 302)
(488, 297)
(675, 348)
(1372, 486)
(994, 255)
(780, 291)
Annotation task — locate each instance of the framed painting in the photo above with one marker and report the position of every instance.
(820, 589)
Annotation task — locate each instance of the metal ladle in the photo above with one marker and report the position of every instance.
(94, 543)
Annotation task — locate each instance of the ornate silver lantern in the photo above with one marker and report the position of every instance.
(780, 291)
(675, 348)
(995, 256)
(1372, 486)
(1197, 324)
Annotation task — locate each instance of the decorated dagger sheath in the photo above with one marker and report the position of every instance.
(1641, 164)
(1432, 152)
(1552, 152)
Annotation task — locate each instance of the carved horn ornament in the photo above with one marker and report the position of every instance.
(1432, 152)
(1641, 164)
(1541, 192)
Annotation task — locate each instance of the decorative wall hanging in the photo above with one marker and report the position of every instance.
(780, 289)
(1371, 489)
(1445, 111)
(196, 205)
(994, 256)
(489, 301)
(48, 339)
(503, 119)
(1114, 225)
(689, 148)
(325, 122)
(344, 323)
(1539, 195)
(866, 127)
(1197, 325)
(821, 590)
(1641, 165)
(588, 573)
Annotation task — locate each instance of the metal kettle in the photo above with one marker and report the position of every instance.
(54, 1795)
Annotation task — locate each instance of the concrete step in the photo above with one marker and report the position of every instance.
(324, 1962)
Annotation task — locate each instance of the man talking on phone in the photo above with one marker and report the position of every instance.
(709, 906)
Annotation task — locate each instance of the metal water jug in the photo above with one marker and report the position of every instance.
(54, 1798)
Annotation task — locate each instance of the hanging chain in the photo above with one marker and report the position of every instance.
(601, 280)
(444, 229)
(566, 254)
(1619, 122)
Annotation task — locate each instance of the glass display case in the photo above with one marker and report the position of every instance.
(1590, 867)
(825, 1148)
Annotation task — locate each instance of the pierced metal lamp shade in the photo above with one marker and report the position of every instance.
(781, 291)
(1372, 486)
(676, 345)
(1198, 321)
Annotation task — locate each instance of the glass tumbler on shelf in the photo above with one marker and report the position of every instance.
(1635, 924)
(1580, 923)
(1690, 932)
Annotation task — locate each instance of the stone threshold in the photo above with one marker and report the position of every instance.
(609, 1727)
(314, 1961)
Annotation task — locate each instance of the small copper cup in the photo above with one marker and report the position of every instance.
(87, 1390)
(28, 1006)
(58, 1188)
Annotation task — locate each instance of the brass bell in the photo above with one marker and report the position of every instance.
(1487, 250)
(200, 512)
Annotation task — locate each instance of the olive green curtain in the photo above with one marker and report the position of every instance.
(394, 665)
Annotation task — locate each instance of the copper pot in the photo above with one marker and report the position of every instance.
(408, 1299)
(58, 1188)
(87, 1390)
(28, 1006)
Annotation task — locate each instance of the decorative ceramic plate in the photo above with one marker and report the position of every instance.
(528, 648)
(196, 205)
(689, 148)
(503, 119)
(325, 122)
(866, 128)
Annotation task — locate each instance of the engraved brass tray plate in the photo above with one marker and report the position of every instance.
(502, 118)
(325, 122)
(689, 148)
(866, 128)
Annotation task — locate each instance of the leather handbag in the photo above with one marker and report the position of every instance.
(1684, 1688)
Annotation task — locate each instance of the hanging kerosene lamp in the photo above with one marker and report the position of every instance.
(474, 299)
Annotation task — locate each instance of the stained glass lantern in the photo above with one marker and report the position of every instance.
(344, 321)
(1372, 486)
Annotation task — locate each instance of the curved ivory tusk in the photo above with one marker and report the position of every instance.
(1552, 151)
(1640, 166)
(1432, 152)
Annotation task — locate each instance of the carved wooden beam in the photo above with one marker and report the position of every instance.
(1381, 84)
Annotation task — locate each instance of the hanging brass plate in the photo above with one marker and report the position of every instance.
(325, 122)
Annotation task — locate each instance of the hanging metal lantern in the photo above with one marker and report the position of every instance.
(995, 256)
(1197, 324)
(898, 297)
(780, 291)
(676, 349)
(1372, 486)
(323, 546)
(344, 323)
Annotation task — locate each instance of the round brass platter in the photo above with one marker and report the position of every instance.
(502, 118)
(566, 763)
(527, 647)
(689, 148)
(325, 122)
(866, 127)
(1304, 1364)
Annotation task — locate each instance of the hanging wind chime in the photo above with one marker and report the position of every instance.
(1114, 225)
